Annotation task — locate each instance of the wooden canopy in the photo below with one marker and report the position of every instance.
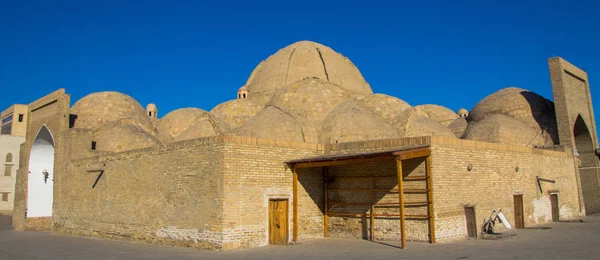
(398, 155)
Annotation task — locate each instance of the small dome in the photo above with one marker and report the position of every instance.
(386, 106)
(437, 113)
(272, 123)
(351, 121)
(303, 60)
(205, 126)
(236, 112)
(504, 129)
(194, 122)
(531, 108)
(123, 136)
(413, 123)
(458, 126)
(96, 109)
(462, 113)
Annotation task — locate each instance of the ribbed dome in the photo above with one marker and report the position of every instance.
(504, 129)
(526, 106)
(194, 122)
(459, 126)
(386, 106)
(204, 126)
(236, 112)
(351, 121)
(310, 100)
(272, 123)
(303, 60)
(413, 122)
(122, 136)
(96, 109)
(440, 114)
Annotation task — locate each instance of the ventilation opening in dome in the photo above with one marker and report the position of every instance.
(72, 119)
(93, 145)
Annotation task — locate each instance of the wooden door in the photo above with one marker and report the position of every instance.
(519, 219)
(278, 219)
(555, 211)
(471, 223)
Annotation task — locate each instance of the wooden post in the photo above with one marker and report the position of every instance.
(430, 200)
(373, 208)
(295, 203)
(326, 215)
(401, 198)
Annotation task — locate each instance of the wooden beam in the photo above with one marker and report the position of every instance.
(363, 177)
(349, 214)
(414, 153)
(344, 161)
(430, 200)
(98, 178)
(326, 215)
(295, 203)
(376, 190)
(401, 206)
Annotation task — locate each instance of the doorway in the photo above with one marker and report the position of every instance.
(278, 221)
(518, 204)
(471, 221)
(40, 181)
(585, 152)
(554, 204)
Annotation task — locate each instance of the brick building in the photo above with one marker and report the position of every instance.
(12, 135)
(306, 151)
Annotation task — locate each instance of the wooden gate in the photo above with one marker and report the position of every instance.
(278, 219)
(471, 221)
(518, 204)
(555, 211)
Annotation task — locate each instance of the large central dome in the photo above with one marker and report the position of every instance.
(303, 60)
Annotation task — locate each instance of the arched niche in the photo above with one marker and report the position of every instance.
(40, 181)
(584, 146)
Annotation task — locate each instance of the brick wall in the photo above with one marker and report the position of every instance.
(8, 170)
(170, 195)
(493, 181)
(254, 172)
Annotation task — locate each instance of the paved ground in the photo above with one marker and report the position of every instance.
(553, 241)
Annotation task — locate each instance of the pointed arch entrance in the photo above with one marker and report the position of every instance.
(40, 181)
(590, 185)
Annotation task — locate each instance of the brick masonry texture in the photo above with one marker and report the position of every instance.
(52, 112)
(10, 145)
(493, 181)
(170, 196)
(576, 125)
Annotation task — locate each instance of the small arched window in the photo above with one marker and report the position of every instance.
(244, 95)
(239, 96)
(9, 157)
(150, 113)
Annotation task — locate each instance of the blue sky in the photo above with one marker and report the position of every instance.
(196, 54)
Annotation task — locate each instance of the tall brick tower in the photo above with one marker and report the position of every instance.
(576, 126)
